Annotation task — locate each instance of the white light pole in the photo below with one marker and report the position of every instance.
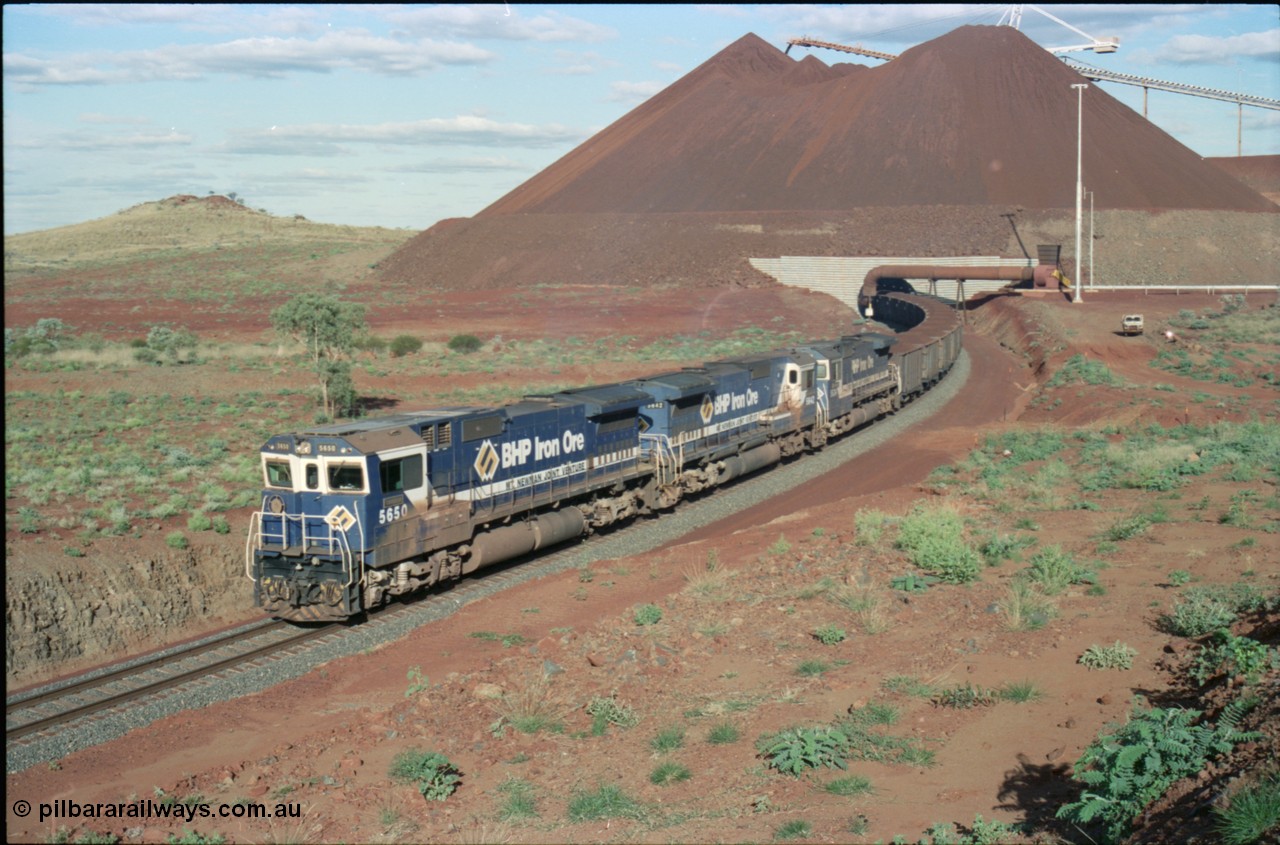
(1091, 239)
(1080, 86)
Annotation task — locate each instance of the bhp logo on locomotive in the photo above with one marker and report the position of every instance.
(518, 452)
(736, 401)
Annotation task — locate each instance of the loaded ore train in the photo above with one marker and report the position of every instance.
(355, 513)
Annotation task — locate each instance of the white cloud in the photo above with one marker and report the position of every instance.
(503, 21)
(254, 57)
(194, 17)
(325, 139)
(1204, 49)
(98, 142)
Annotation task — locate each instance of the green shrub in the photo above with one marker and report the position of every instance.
(830, 635)
(433, 774)
(648, 614)
(369, 343)
(465, 343)
(1117, 656)
(1054, 570)
(609, 711)
(795, 749)
(1232, 655)
(1205, 609)
(176, 540)
(981, 833)
(1128, 528)
(912, 583)
(933, 538)
(964, 697)
(1125, 770)
(1079, 369)
(406, 344)
(199, 522)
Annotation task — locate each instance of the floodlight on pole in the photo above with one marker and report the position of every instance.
(1079, 86)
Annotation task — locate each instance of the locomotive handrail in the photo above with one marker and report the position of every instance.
(249, 545)
(331, 538)
(667, 459)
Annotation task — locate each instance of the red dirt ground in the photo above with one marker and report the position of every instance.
(327, 739)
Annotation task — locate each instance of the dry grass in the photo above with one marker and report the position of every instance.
(863, 600)
(532, 708)
(707, 582)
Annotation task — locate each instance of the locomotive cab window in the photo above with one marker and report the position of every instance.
(402, 474)
(346, 478)
(312, 476)
(279, 475)
(822, 371)
(793, 377)
(808, 379)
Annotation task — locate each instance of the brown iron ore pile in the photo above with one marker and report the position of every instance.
(755, 153)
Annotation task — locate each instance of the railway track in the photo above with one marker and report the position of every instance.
(44, 712)
(48, 708)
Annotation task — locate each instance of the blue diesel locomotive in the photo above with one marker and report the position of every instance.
(355, 513)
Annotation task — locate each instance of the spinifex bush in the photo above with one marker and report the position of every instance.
(1127, 769)
(1055, 570)
(1254, 810)
(933, 537)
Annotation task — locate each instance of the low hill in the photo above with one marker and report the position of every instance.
(169, 227)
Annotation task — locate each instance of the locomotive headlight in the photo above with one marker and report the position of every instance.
(315, 561)
(276, 505)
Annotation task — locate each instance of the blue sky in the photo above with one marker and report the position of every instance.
(400, 116)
